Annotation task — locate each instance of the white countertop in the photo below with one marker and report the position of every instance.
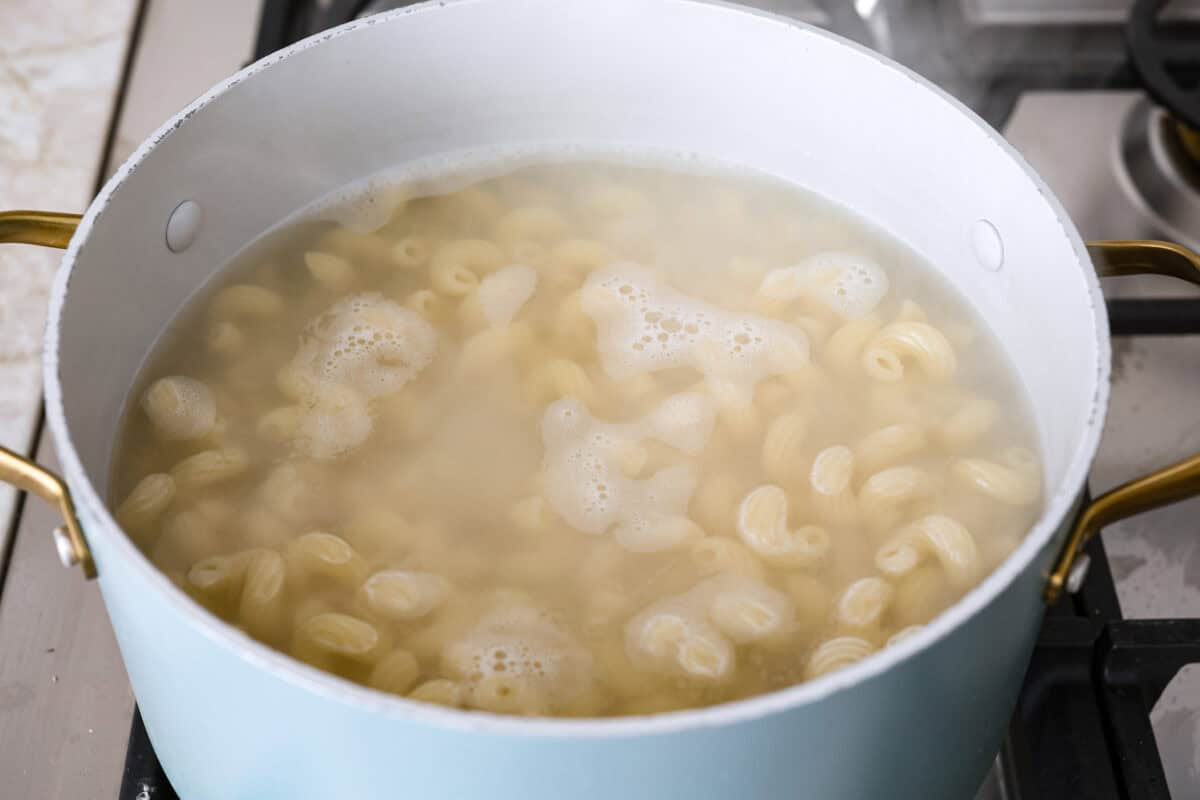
(65, 702)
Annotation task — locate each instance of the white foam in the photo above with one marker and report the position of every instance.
(849, 284)
(503, 293)
(585, 485)
(368, 343)
(691, 635)
(527, 644)
(369, 209)
(335, 419)
(644, 325)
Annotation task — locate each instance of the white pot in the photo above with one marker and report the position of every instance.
(231, 718)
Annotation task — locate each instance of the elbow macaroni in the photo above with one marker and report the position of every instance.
(885, 494)
(1014, 479)
(889, 445)
(783, 449)
(763, 526)
(835, 654)
(937, 535)
(883, 358)
(829, 482)
(622, 447)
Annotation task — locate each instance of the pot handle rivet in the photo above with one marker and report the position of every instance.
(66, 551)
(1078, 573)
(183, 225)
(987, 245)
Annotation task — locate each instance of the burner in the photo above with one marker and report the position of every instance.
(1160, 162)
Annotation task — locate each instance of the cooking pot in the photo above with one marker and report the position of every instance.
(231, 718)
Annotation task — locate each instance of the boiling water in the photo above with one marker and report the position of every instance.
(577, 439)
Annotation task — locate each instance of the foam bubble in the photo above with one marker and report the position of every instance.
(370, 208)
(335, 419)
(368, 343)
(527, 644)
(502, 294)
(849, 284)
(644, 325)
(586, 486)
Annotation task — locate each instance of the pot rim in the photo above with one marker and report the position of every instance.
(335, 688)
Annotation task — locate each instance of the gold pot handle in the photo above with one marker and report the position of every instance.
(48, 228)
(29, 477)
(1165, 486)
(51, 229)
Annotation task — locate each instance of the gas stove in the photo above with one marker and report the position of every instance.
(1102, 97)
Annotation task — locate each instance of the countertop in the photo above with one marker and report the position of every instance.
(81, 84)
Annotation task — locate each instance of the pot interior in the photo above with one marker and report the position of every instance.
(668, 75)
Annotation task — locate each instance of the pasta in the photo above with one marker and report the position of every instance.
(185, 537)
(838, 653)
(456, 266)
(281, 425)
(812, 599)
(1013, 479)
(716, 554)
(246, 302)
(440, 692)
(180, 408)
(532, 223)
(337, 634)
(396, 673)
(968, 424)
(845, 344)
(903, 634)
(427, 303)
(331, 271)
(377, 533)
(560, 377)
(574, 330)
(936, 535)
(260, 607)
(763, 526)
(571, 259)
(783, 453)
(576, 440)
(830, 481)
(209, 467)
(411, 252)
(367, 250)
(493, 345)
(920, 594)
(225, 338)
(885, 494)
(323, 555)
(863, 603)
(888, 445)
(883, 358)
(402, 595)
(146, 503)
(506, 694)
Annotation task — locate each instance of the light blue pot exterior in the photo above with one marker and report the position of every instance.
(232, 719)
(226, 729)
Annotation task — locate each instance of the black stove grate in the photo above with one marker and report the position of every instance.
(1081, 728)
